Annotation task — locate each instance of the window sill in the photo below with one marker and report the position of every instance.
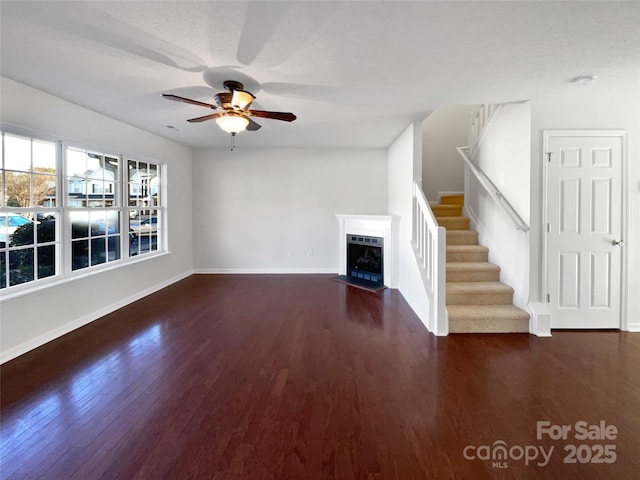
(33, 288)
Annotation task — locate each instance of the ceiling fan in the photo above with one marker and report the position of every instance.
(232, 109)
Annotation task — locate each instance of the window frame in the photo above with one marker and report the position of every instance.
(63, 268)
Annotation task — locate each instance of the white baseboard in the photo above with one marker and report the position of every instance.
(265, 271)
(86, 319)
(633, 327)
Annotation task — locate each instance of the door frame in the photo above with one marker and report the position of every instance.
(623, 135)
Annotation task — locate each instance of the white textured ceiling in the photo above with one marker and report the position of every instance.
(355, 73)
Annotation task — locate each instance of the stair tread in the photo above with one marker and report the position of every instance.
(445, 207)
(451, 217)
(478, 287)
(471, 266)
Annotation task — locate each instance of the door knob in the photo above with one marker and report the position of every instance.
(617, 243)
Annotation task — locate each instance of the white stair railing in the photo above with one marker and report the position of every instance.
(493, 191)
(479, 121)
(430, 246)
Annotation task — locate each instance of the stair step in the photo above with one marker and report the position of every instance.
(462, 237)
(440, 210)
(452, 199)
(472, 272)
(467, 253)
(454, 223)
(487, 319)
(478, 293)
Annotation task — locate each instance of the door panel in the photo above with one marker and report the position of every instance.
(584, 204)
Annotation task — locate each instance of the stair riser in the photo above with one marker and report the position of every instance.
(497, 326)
(492, 298)
(461, 223)
(447, 210)
(462, 237)
(467, 256)
(481, 276)
(452, 200)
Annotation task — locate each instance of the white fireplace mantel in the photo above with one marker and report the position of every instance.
(385, 226)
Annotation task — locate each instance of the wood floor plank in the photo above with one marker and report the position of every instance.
(302, 377)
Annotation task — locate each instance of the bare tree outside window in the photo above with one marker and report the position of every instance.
(26, 189)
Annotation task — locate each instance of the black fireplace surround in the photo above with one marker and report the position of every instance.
(364, 260)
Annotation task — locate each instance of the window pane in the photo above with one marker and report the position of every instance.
(80, 254)
(18, 230)
(131, 167)
(46, 227)
(113, 221)
(46, 261)
(154, 182)
(94, 167)
(98, 223)
(145, 243)
(17, 153)
(114, 248)
(76, 163)
(44, 190)
(20, 266)
(98, 250)
(4, 239)
(18, 189)
(3, 269)
(44, 156)
(79, 224)
(134, 244)
(1, 188)
(111, 168)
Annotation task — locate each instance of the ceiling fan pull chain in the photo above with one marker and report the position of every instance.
(233, 141)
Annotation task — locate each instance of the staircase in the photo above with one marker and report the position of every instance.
(477, 302)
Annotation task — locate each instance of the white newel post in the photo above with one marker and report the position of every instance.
(384, 226)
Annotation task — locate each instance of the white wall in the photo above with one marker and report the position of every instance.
(32, 319)
(611, 103)
(405, 165)
(253, 206)
(442, 131)
(503, 153)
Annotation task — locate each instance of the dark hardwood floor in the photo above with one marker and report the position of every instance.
(303, 377)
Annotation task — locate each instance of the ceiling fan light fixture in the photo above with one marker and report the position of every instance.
(232, 123)
(241, 99)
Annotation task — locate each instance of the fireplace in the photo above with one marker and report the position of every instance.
(365, 260)
(368, 237)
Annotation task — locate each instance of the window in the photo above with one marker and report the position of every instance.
(143, 202)
(67, 210)
(29, 242)
(93, 211)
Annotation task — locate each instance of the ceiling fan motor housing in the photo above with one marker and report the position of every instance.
(232, 85)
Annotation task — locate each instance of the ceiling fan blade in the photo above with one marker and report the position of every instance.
(188, 100)
(206, 117)
(285, 116)
(253, 126)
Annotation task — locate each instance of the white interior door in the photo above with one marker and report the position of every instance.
(584, 231)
